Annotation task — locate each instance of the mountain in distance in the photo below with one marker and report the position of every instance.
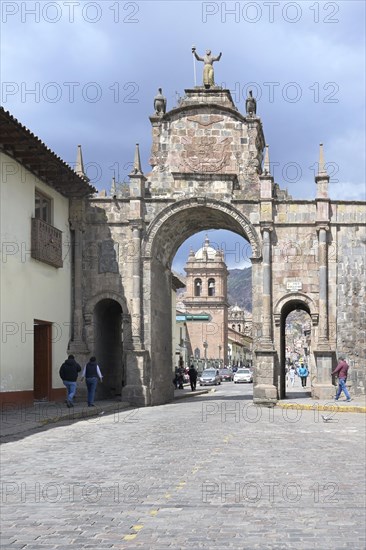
(239, 288)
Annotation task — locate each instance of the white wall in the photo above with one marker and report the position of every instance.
(29, 289)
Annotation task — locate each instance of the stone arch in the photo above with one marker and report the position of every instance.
(165, 234)
(106, 333)
(220, 215)
(91, 303)
(296, 297)
(283, 307)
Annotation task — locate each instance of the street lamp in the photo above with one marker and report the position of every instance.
(205, 346)
(220, 348)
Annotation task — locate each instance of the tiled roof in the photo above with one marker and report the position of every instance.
(25, 147)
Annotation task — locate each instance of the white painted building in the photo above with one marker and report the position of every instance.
(36, 191)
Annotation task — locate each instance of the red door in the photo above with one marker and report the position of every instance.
(42, 360)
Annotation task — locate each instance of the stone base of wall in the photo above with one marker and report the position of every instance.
(264, 394)
(136, 396)
(163, 394)
(323, 391)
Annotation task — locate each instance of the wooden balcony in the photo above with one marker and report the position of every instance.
(46, 243)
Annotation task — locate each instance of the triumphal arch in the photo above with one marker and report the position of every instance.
(211, 170)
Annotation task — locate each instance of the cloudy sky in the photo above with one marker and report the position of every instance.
(80, 72)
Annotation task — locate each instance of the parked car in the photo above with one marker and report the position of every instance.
(226, 375)
(210, 377)
(243, 375)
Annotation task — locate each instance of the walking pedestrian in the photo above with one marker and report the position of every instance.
(341, 371)
(192, 373)
(303, 373)
(175, 379)
(180, 378)
(91, 373)
(292, 374)
(69, 374)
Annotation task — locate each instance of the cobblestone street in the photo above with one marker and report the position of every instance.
(209, 472)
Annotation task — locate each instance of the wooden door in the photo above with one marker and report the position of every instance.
(42, 360)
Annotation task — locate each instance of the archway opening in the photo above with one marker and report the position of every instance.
(170, 231)
(295, 352)
(108, 343)
(207, 326)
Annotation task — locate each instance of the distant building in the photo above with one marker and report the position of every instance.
(178, 328)
(240, 341)
(206, 299)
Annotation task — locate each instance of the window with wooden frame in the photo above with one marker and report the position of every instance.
(43, 207)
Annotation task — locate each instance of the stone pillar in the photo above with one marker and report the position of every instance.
(324, 356)
(136, 287)
(267, 340)
(323, 388)
(323, 331)
(77, 345)
(137, 389)
(265, 391)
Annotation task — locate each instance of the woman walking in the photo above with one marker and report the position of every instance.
(292, 374)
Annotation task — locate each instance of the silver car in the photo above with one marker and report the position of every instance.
(210, 377)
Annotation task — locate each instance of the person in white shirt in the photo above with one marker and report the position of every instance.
(92, 374)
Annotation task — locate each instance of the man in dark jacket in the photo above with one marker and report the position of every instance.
(341, 371)
(192, 373)
(69, 374)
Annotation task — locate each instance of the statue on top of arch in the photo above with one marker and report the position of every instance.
(208, 71)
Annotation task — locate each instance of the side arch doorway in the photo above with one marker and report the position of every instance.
(108, 346)
(295, 336)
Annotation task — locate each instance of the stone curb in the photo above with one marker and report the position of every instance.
(327, 407)
(192, 394)
(70, 415)
(85, 413)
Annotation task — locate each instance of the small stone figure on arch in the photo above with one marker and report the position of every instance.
(251, 105)
(160, 103)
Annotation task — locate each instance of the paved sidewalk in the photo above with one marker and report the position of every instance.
(299, 398)
(17, 421)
